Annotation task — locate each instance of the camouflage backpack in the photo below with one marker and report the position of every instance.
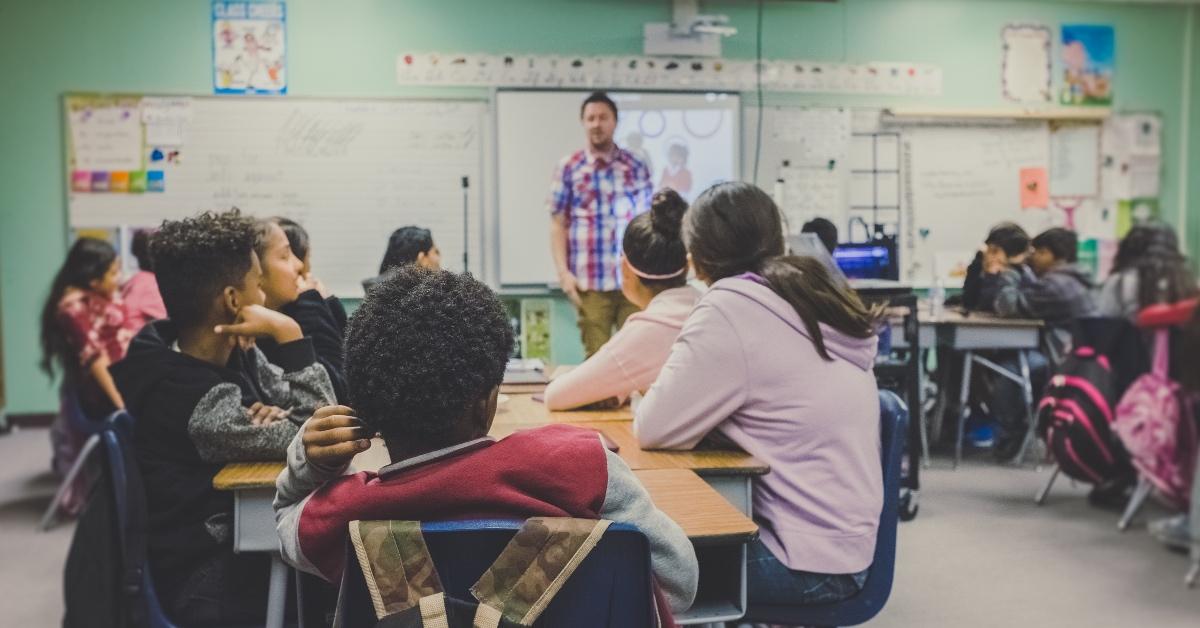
(406, 591)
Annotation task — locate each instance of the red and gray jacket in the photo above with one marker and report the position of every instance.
(553, 471)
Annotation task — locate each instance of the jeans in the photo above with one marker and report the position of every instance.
(1007, 402)
(769, 581)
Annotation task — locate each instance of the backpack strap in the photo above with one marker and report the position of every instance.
(534, 565)
(1162, 352)
(398, 569)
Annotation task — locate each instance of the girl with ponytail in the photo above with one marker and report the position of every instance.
(654, 277)
(777, 357)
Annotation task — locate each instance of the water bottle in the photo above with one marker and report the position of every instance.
(937, 298)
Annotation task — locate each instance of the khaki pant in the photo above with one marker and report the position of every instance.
(598, 314)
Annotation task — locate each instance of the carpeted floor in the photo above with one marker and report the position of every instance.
(980, 554)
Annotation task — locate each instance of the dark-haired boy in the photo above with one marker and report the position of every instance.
(1051, 288)
(425, 355)
(203, 396)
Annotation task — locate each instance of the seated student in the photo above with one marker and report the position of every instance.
(777, 357)
(290, 291)
(201, 399)
(654, 278)
(1007, 241)
(1051, 288)
(143, 303)
(408, 245)
(300, 244)
(826, 231)
(425, 355)
(84, 329)
(1148, 269)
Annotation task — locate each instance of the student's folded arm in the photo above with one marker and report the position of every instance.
(221, 430)
(703, 382)
(672, 556)
(293, 488)
(1010, 302)
(598, 378)
(297, 382)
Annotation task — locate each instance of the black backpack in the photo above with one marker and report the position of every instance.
(1075, 417)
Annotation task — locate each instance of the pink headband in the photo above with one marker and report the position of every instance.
(649, 276)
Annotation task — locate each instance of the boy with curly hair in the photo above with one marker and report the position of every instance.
(203, 395)
(425, 355)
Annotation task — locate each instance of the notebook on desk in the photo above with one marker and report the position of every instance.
(519, 371)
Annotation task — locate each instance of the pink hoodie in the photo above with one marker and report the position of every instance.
(631, 359)
(744, 365)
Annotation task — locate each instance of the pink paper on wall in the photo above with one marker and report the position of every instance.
(1035, 188)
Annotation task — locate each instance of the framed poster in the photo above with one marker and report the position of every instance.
(249, 47)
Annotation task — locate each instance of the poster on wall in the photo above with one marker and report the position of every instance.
(1025, 66)
(249, 47)
(1088, 55)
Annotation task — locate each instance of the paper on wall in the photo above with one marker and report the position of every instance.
(1144, 176)
(1025, 67)
(106, 138)
(811, 192)
(166, 119)
(1074, 165)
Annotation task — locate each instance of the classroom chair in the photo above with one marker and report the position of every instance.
(130, 498)
(610, 589)
(77, 422)
(893, 424)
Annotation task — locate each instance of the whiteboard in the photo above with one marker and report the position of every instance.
(536, 129)
(350, 171)
(961, 180)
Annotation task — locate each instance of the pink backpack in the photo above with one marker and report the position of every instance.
(1155, 422)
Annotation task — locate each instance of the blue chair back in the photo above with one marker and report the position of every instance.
(130, 498)
(860, 608)
(610, 589)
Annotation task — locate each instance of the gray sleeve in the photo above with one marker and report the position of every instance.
(671, 553)
(1009, 300)
(302, 390)
(222, 432)
(293, 488)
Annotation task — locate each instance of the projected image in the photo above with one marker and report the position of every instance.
(687, 150)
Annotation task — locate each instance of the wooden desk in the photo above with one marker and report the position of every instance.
(523, 409)
(718, 530)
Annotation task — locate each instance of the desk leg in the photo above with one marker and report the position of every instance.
(919, 412)
(1027, 392)
(277, 594)
(964, 407)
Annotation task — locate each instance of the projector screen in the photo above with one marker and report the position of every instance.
(688, 140)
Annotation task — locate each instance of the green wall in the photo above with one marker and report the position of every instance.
(349, 47)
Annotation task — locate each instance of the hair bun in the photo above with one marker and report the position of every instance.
(666, 212)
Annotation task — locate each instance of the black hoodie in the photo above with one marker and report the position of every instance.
(323, 320)
(191, 420)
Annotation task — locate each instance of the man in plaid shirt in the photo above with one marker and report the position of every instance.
(595, 193)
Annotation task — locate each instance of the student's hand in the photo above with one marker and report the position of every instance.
(333, 436)
(570, 287)
(255, 321)
(310, 281)
(994, 262)
(263, 415)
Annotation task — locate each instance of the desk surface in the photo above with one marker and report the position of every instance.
(701, 511)
(966, 319)
(703, 461)
(523, 409)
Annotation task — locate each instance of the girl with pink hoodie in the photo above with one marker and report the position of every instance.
(777, 357)
(654, 278)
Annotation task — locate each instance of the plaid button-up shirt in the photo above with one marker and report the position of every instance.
(599, 194)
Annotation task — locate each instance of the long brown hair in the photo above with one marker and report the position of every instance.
(735, 228)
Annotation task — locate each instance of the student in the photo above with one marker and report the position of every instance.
(85, 328)
(1007, 241)
(300, 244)
(143, 303)
(202, 397)
(1148, 269)
(425, 355)
(654, 278)
(777, 357)
(1051, 288)
(408, 245)
(826, 231)
(297, 294)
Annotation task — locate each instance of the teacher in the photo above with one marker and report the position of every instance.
(595, 193)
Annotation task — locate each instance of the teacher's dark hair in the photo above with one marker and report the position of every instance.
(735, 228)
(404, 245)
(652, 241)
(598, 97)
